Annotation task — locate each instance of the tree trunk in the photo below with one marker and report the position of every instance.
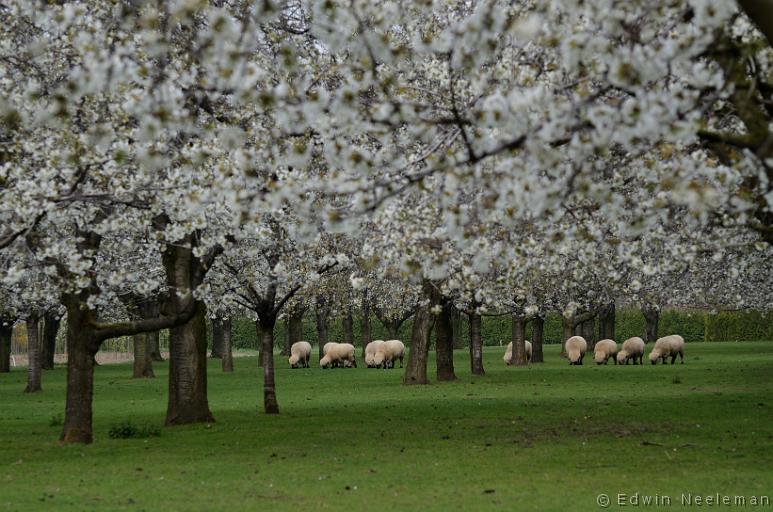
(143, 362)
(587, 331)
(444, 344)
(82, 346)
(457, 336)
(188, 370)
(567, 331)
(518, 338)
(321, 314)
(155, 348)
(577, 328)
(651, 314)
(367, 337)
(285, 350)
(348, 325)
(51, 323)
(538, 329)
(265, 329)
(607, 322)
(476, 345)
(217, 338)
(416, 369)
(392, 329)
(6, 332)
(294, 328)
(227, 354)
(34, 355)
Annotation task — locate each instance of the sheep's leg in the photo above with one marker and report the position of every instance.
(681, 355)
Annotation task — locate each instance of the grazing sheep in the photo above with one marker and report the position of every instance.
(575, 349)
(508, 357)
(370, 352)
(668, 346)
(338, 355)
(633, 349)
(300, 353)
(333, 362)
(604, 350)
(388, 352)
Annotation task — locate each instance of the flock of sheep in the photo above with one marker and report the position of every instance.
(383, 354)
(604, 350)
(378, 354)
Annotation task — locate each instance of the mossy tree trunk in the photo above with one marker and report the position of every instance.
(476, 344)
(416, 369)
(34, 353)
(444, 343)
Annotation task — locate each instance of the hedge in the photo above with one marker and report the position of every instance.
(693, 325)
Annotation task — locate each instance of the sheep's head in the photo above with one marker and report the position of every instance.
(378, 358)
(369, 360)
(600, 357)
(574, 356)
(324, 362)
(654, 356)
(293, 361)
(621, 356)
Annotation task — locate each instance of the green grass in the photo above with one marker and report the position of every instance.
(548, 437)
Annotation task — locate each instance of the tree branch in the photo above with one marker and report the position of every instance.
(118, 329)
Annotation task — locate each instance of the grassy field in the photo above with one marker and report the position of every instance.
(548, 437)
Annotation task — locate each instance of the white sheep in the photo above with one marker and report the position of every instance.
(370, 352)
(668, 346)
(604, 350)
(338, 354)
(508, 357)
(575, 349)
(633, 349)
(388, 352)
(300, 353)
(333, 362)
